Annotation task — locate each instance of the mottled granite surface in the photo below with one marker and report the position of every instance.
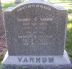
(35, 29)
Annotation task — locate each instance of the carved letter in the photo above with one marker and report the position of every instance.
(44, 60)
(38, 60)
(19, 59)
(25, 60)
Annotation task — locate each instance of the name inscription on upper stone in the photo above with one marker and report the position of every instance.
(34, 6)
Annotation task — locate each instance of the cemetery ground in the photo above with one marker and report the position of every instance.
(69, 30)
(68, 47)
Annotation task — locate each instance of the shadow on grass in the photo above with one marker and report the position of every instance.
(69, 10)
(69, 32)
(70, 21)
(1, 58)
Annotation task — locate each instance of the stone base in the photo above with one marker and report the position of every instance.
(37, 62)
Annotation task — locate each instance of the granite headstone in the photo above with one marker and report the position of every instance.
(17, 1)
(36, 33)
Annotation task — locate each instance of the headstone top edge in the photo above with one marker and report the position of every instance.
(55, 6)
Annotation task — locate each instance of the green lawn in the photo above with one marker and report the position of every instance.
(6, 5)
(69, 30)
(0, 66)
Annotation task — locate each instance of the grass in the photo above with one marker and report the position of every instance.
(6, 5)
(60, 1)
(69, 30)
(0, 66)
(69, 40)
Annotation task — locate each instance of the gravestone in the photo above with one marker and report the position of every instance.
(36, 33)
(17, 1)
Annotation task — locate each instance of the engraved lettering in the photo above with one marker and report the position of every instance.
(38, 60)
(25, 60)
(44, 59)
(51, 60)
(35, 19)
(32, 5)
(20, 59)
(31, 59)
(37, 5)
(41, 6)
(23, 19)
(46, 19)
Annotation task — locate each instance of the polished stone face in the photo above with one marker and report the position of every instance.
(35, 29)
